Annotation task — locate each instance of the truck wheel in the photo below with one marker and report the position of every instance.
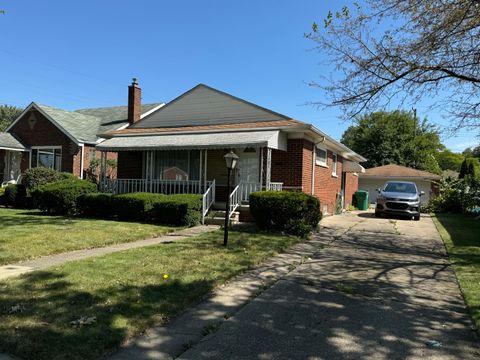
(416, 217)
(377, 214)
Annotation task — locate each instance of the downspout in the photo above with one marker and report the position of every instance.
(312, 190)
(82, 146)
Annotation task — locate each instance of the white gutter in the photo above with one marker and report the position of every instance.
(82, 146)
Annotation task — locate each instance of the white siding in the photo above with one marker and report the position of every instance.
(206, 106)
(372, 184)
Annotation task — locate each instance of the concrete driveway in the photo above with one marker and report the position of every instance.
(374, 289)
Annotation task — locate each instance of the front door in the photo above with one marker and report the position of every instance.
(248, 169)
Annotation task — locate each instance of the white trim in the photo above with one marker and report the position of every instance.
(151, 111)
(13, 149)
(82, 146)
(49, 118)
(47, 147)
(334, 164)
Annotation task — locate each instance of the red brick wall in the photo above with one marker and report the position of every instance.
(41, 132)
(287, 165)
(98, 155)
(351, 186)
(129, 165)
(327, 185)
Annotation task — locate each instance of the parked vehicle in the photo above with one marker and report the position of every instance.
(399, 198)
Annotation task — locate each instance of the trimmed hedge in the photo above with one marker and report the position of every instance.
(95, 205)
(180, 210)
(15, 195)
(60, 197)
(135, 206)
(295, 213)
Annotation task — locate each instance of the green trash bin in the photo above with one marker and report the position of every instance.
(362, 199)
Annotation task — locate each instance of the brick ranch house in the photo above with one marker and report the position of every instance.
(58, 139)
(180, 147)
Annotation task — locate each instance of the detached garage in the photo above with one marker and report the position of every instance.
(375, 178)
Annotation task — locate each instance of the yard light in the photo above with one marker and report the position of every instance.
(231, 161)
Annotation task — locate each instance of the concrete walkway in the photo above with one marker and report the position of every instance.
(363, 288)
(22, 267)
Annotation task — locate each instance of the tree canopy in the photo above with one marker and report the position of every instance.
(397, 137)
(401, 51)
(469, 152)
(8, 113)
(449, 160)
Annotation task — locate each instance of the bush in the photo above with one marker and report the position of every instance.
(293, 212)
(455, 196)
(135, 206)
(38, 176)
(95, 205)
(180, 210)
(15, 196)
(61, 197)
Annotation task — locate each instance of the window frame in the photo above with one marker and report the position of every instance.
(318, 161)
(47, 147)
(334, 165)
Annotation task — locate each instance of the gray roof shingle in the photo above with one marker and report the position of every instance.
(85, 124)
(8, 141)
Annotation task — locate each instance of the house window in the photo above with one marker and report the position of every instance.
(47, 157)
(321, 157)
(91, 154)
(334, 165)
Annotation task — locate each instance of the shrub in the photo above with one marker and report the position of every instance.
(135, 206)
(38, 176)
(180, 210)
(455, 196)
(95, 205)
(15, 195)
(61, 197)
(293, 212)
(470, 169)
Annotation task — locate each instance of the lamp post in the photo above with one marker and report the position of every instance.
(231, 161)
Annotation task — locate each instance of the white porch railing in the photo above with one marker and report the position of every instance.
(123, 186)
(208, 200)
(246, 188)
(235, 200)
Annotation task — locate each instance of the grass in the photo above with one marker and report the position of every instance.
(124, 292)
(461, 235)
(28, 234)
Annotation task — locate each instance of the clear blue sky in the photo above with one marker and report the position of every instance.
(77, 54)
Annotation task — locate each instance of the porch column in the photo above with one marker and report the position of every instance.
(200, 172)
(103, 177)
(269, 169)
(205, 172)
(261, 168)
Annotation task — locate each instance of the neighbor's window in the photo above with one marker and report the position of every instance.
(47, 157)
(334, 165)
(321, 157)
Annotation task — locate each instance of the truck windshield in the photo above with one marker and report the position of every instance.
(400, 187)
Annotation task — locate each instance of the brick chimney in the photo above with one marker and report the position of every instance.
(134, 102)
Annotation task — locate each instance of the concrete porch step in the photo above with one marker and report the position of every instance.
(217, 217)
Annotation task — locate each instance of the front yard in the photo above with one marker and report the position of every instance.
(121, 294)
(28, 234)
(461, 235)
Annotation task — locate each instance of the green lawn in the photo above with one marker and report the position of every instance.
(125, 292)
(28, 234)
(461, 235)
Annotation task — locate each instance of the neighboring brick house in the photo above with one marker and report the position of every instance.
(59, 139)
(193, 132)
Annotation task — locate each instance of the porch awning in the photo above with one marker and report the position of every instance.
(352, 167)
(181, 141)
(10, 142)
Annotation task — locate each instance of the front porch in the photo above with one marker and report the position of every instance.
(193, 172)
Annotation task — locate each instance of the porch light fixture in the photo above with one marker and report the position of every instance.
(231, 162)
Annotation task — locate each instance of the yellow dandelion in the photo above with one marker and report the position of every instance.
(165, 276)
